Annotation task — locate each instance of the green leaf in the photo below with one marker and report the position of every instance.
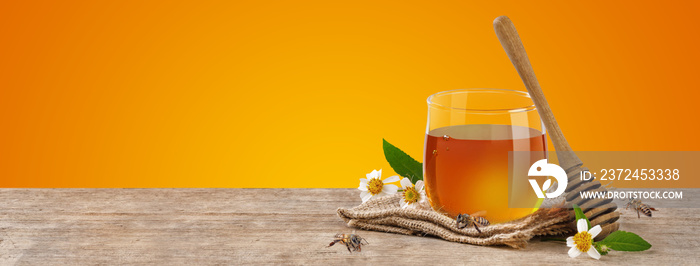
(625, 241)
(402, 163)
(581, 215)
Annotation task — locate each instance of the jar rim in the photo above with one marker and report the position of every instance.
(528, 108)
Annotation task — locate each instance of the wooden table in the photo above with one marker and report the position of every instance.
(289, 226)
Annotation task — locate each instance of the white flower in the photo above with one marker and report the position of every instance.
(412, 194)
(582, 242)
(373, 186)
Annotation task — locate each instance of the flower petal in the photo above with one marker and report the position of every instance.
(574, 252)
(419, 185)
(422, 198)
(582, 225)
(365, 196)
(404, 204)
(570, 241)
(362, 187)
(595, 231)
(390, 189)
(391, 179)
(405, 183)
(379, 173)
(594, 253)
(364, 180)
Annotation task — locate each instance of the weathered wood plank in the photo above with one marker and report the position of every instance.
(290, 226)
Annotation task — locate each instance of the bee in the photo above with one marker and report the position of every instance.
(351, 241)
(639, 207)
(476, 219)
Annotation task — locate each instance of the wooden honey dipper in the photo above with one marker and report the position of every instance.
(599, 211)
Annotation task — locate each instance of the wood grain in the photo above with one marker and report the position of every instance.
(285, 226)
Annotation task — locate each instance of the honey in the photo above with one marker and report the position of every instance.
(466, 169)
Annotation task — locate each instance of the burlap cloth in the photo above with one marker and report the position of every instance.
(386, 215)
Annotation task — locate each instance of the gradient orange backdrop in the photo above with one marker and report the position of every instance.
(301, 93)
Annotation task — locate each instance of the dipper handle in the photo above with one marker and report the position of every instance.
(510, 40)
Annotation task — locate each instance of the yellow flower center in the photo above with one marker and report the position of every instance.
(410, 195)
(583, 241)
(374, 186)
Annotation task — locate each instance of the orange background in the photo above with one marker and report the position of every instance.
(301, 93)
